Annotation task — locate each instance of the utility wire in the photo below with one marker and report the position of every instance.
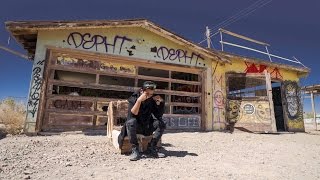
(241, 14)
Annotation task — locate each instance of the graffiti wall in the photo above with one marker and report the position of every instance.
(250, 115)
(276, 73)
(218, 96)
(132, 42)
(292, 106)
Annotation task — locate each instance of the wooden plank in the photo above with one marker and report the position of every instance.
(126, 60)
(269, 92)
(169, 99)
(184, 104)
(168, 80)
(90, 71)
(203, 100)
(70, 112)
(84, 98)
(110, 122)
(93, 86)
(122, 88)
(243, 37)
(44, 87)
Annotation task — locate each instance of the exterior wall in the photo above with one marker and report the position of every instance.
(218, 97)
(241, 66)
(127, 42)
(144, 44)
(293, 123)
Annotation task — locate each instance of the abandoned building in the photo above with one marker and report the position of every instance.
(80, 66)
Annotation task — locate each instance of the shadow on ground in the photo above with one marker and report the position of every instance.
(3, 134)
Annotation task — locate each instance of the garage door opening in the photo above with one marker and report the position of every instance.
(80, 88)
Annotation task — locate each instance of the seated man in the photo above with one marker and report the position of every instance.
(144, 117)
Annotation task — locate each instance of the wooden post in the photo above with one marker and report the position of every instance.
(269, 93)
(314, 111)
(208, 37)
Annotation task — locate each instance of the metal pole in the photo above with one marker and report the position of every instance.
(314, 111)
(268, 54)
(221, 41)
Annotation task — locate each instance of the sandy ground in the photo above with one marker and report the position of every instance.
(212, 155)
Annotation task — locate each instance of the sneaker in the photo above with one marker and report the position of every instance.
(135, 155)
(152, 151)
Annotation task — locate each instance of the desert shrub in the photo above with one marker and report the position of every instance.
(12, 115)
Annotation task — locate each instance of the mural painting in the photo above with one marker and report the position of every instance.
(259, 68)
(292, 105)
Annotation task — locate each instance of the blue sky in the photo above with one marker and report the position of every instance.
(291, 27)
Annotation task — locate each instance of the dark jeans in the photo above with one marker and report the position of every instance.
(134, 128)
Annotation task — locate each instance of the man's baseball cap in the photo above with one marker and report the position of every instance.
(149, 85)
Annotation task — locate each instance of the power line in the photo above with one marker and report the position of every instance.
(244, 15)
(241, 14)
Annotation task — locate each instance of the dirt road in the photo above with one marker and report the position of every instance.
(190, 156)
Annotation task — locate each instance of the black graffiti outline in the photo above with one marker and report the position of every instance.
(96, 41)
(34, 94)
(68, 104)
(172, 54)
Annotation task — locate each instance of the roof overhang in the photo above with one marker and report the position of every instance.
(301, 71)
(315, 89)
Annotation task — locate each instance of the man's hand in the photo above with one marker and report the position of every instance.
(158, 99)
(143, 97)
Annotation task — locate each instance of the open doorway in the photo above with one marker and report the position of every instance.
(277, 103)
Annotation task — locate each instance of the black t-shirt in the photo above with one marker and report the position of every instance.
(147, 108)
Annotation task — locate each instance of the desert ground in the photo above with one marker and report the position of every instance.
(190, 155)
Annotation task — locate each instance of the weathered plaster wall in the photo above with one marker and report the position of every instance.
(218, 96)
(127, 42)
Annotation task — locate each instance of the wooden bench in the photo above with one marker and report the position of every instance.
(117, 113)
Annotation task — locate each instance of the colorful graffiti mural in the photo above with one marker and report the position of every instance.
(245, 112)
(259, 68)
(292, 98)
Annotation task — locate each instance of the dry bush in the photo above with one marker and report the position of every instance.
(12, 115)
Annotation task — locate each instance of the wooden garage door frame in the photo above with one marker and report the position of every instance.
(50, 67)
